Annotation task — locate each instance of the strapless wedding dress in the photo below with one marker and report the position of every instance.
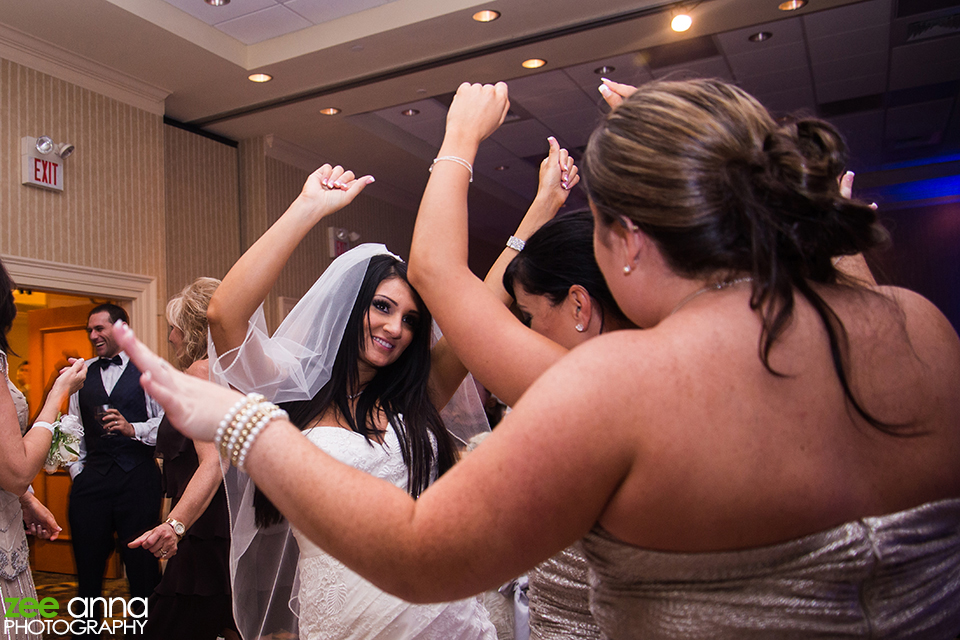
(336, 603)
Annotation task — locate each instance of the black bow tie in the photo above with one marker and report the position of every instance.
(106, 362)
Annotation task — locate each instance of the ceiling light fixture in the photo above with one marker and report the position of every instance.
(46, 146)
(760, 36)
(681, 22)
(217, 3)
(330, 111)
(605, 70)
(259, 77)
(410, 112)
(486, 16)
(533, 63)
(792, 5)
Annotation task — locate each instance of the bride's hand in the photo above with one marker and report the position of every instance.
(195, 407)
(329, 189)
(476, 112)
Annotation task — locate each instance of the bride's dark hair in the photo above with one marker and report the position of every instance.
(399, 389)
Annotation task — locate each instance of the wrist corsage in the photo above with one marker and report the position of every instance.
(65, 446)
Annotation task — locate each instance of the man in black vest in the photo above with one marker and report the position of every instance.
(116, 483)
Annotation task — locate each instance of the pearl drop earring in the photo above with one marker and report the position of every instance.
(580, 328)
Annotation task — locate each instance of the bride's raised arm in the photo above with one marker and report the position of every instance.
(327, 190)
(499, 351)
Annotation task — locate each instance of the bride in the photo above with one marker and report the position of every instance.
(351, 365)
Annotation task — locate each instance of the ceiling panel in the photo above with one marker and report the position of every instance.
(709, 68)
(264, 24)
(930, 62)
(320, 11)
(760, 61)
(213, 15)
(784, 32)
(847, 88)
(848, 18)
(872, 40)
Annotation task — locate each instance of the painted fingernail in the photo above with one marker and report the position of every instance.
(371, 180)
(849, 173)
(604, 89)
(605, 79)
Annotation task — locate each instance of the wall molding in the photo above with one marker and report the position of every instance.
(139, 291)
(52, 60)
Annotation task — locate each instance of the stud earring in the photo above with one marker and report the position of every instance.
(580, 328)
(627, 269)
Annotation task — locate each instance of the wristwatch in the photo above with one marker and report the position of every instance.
(178, 527)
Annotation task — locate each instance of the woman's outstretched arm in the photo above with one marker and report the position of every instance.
(161, 541)
(499, 351)
(469, 531)
(21, 458)
(328, 189)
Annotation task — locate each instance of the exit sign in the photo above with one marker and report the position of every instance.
(38, 169)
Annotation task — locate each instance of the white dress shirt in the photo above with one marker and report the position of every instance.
(145, 432)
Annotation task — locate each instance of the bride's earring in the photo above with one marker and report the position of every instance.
(580, 327)
(627, 269)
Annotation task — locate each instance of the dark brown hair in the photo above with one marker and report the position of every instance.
(722, 189)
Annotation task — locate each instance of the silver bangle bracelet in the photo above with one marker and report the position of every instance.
(516, 243)
(460, 161)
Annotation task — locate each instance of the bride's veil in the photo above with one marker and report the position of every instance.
(294, 364)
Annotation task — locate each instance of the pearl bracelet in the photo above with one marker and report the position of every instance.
(241, 426)
(460, 161)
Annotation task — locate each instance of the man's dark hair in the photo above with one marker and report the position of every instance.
(116, 312)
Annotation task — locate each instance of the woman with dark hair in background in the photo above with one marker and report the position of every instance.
(775, 455)
(22, 454)
(351, 364)
(549, 271)
(193, 597)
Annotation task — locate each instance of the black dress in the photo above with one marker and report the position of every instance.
(192, 601)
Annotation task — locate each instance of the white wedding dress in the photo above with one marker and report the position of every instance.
(337, 604)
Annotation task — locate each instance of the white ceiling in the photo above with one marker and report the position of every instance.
(887, 72)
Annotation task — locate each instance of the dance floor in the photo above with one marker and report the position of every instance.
(62, 587)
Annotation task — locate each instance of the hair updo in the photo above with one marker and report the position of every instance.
(187, 311)
(704, 171)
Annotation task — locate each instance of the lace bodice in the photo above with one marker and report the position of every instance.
(337, 604)
(892, 576)
(14, 552)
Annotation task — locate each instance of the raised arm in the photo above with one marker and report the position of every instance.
(469, 531)
(501, 353)
(21, 458)
(328, 189)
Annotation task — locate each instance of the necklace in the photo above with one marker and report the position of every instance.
(355, 395)
(716, 286)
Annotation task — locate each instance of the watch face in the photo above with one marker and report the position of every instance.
(178, 528)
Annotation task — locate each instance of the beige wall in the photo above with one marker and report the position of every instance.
(144, 198)
(202, 205)
(111, 212)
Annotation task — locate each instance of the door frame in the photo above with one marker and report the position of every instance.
(139, 290)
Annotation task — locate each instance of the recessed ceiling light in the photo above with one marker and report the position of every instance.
(486, 16)
(681, 22)
(259, 77)
(217, 3)
(410, 112)
(604, 70)
(533, 63)
(760, 36)
(330, 111)
(792, 5)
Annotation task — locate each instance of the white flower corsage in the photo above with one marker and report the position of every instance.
(65, 446)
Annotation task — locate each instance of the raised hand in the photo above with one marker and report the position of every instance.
(193, 406)
(615, 92)
(70, 379)
(329, 189)
(477, 111)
